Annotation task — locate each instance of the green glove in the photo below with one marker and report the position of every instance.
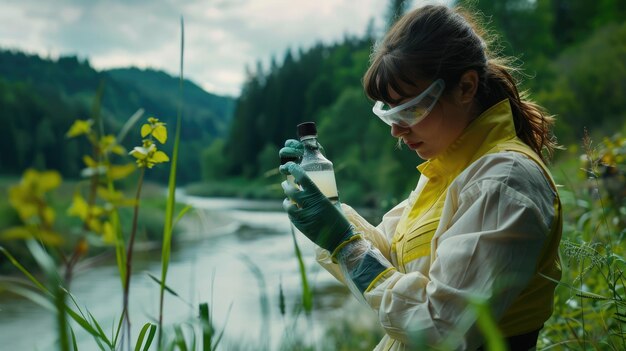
(312, 213)
(293, 148)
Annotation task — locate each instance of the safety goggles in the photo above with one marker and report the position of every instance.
(414, 110)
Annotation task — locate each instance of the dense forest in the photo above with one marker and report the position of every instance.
(572, 56)
(40, 98)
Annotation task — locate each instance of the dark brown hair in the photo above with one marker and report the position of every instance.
(434, 42)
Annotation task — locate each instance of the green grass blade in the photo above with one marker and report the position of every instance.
(207, 328)
(151, 334)
(494, 341)
(118, 329)
(181, 214)
(21, 268)
(97, 325)
(171, 197)
(44, 261)
(120, 247)
(281, 298)
(180, 338)
(263, 302)
(33, 296)
(167, 288)
(307, 294)
(221, 334)
(83, 323)
(142, 334)
(62, 325)
(129, 124)
(81, 319)
(74, 344)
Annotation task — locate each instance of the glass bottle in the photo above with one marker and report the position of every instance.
(317, 167)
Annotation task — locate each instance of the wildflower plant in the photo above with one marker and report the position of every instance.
(148, 155)
(29, 199)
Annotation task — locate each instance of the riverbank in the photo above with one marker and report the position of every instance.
(235, 254)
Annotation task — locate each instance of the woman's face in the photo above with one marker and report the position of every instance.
(439, 129)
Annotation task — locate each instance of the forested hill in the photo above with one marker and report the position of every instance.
(40, 98)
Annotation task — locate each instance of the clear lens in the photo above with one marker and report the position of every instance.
(412, 111)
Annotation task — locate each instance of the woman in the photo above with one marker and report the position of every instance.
(483, 223)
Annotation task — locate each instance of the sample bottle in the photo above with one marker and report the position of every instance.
(317, 167)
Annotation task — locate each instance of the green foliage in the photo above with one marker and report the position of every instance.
(273, 103)
(213, 162)
(40, 97)
(589, 304)
(588, 89)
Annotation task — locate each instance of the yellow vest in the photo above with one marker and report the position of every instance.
(493, 131)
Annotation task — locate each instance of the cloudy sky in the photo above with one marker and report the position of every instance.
(221, 36)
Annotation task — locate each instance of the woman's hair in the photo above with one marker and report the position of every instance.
(434, 42)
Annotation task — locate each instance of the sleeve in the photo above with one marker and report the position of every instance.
(379, 237)
(487, 246)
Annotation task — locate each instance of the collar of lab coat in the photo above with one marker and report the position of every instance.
(490, 128)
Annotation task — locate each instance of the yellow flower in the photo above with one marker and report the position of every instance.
(79, 207)
(148, 155)
(121, 171)
(108, 143)
(24, 233)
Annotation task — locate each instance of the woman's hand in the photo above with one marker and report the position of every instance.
(293, 149)
(311, 212)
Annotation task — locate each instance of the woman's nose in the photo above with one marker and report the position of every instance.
(398, 131)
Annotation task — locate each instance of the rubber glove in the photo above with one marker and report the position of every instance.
(293, 148)
(312, 213)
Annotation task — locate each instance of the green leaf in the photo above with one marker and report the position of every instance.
(167, 288)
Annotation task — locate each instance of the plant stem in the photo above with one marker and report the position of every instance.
(129, 255)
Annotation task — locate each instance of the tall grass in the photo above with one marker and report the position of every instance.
(171, 192)
(591, 298)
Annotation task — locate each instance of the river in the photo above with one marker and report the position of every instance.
(223, 245)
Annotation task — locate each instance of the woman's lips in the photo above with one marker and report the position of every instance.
(413, 146)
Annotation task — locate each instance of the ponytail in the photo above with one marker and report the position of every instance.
(533, 125)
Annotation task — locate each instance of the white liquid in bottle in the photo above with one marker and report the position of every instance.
(325, 181)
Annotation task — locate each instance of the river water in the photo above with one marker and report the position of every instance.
(224, 244)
